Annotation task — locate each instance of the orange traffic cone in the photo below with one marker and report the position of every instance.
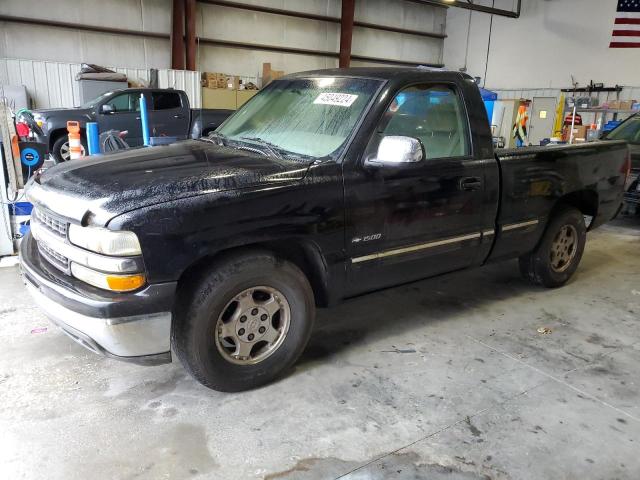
(75, 146)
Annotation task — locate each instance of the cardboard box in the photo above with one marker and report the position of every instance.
(268, 74)
(244, 95)
(579, 133)
(626, 104)
(214, 80)
(221, 98)
(233, 82)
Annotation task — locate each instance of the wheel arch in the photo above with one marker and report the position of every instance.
(585, 200)
(305, 255)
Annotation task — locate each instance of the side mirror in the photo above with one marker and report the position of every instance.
(107, 109)
(396, 151)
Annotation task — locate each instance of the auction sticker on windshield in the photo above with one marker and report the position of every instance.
(339, 99)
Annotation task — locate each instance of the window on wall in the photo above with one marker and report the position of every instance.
(433, 114)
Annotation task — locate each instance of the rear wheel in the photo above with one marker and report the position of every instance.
(557, 256)
(243, 322)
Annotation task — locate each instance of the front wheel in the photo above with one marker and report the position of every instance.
(557, 256)
(243, 322)
(60, 149)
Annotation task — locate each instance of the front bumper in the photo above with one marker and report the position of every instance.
(134, 327)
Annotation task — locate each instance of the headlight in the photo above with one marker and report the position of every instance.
(102, 240)
(108, 281)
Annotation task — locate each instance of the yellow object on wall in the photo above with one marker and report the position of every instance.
(559, 122)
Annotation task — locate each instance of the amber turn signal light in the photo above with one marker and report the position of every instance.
(125, 283)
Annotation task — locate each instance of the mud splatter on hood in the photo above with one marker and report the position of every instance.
(97, 189)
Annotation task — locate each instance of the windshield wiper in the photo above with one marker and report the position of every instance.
(211, 137)
(274, 149)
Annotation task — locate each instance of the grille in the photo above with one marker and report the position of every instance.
(54, 258)
(51, 223)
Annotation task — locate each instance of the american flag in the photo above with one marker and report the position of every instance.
(626, 31)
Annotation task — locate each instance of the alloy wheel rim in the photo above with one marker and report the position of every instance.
(564, 248)
(65, 151)
(253, 325)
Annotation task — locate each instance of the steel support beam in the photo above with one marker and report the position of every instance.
(346, 32)
(81, 27)
(207, 41)
(177, 35)
(469, 5)
(190, 33)
(319, 18)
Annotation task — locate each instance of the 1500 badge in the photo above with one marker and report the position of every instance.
(367, 238)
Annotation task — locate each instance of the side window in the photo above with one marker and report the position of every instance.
(432, 113)
(166, 100)
(126, 102)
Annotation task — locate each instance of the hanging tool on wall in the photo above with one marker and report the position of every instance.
(559, 121)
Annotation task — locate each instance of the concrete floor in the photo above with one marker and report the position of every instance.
(444, 379)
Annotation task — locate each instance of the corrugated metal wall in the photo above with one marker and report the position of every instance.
(53, 84)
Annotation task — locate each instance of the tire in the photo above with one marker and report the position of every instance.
(205, 311)
(567, 234)
(58, 148)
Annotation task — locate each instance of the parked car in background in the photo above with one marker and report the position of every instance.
(327, 185)
(169, 115)
(629, 131)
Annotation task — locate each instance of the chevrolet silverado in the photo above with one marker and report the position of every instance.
(326, 185)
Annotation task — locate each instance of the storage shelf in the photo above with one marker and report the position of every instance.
(600, 110)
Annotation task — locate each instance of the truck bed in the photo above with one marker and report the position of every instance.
(534, 179)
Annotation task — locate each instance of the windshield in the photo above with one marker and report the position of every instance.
(628, 130)
(310, 116)
(91, 103)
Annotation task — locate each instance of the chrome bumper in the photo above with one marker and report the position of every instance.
(133, 327)
(123, 338)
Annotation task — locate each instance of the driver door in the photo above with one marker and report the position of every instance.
(411, 221)
(122, 113)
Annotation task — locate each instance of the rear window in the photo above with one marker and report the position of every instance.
(166, 100)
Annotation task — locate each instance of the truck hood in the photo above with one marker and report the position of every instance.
(94, 190)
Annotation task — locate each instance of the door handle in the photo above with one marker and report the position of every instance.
(178, 116)
(470, 183)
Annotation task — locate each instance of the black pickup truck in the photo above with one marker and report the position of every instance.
(169, 115)
(325, 185)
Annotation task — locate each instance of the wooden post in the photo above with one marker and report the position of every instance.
(190, 17)
(177, 35)
(346, 32)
